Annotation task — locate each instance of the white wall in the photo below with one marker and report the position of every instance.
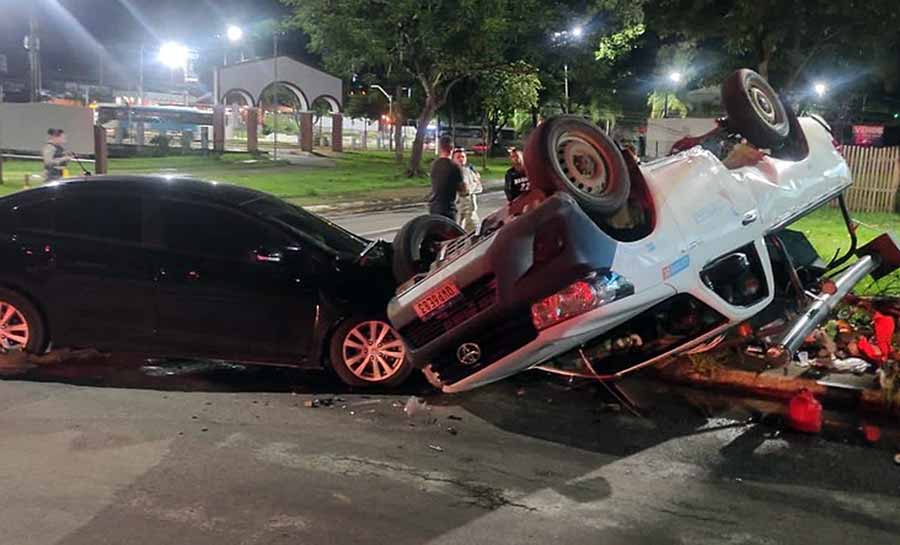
(663, 133)
(23, 127)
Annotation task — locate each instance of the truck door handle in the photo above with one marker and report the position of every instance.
(750, 217)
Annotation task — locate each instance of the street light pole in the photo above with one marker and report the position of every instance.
(390, 100)
(566, 72)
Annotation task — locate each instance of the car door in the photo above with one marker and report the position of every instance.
(101, 285)
(229, 284)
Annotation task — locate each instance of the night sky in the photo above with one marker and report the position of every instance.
(75, 33)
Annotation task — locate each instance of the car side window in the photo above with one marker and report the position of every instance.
(213, 231)
(99, 215)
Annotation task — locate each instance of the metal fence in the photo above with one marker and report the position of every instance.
(876, 176)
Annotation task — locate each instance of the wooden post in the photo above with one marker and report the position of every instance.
(204, 140)
(306, 131)
(219, 129)
(253, 130)
(337, 133)
(187, 139)
(101, 151)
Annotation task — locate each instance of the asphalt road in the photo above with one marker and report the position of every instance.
(240, 459)
(385, 223)
(159, 452)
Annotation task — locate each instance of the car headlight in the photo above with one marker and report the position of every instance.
(594, 291)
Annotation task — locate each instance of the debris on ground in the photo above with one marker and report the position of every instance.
(805, 412)
(311, 403)
(451, 430)
(415, 407)
(454, 417)
(436, 448)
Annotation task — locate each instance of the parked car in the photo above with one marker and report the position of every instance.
(607, 266)
(180, 267)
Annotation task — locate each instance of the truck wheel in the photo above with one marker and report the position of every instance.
(416, 244)
(570, 154)
(755, 110)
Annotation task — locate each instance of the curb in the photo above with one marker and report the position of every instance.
(375, 206)
(683, 371)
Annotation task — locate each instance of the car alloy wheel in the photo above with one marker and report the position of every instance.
(373, 352)
(14, 329)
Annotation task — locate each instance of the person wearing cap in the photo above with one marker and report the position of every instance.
(55, 155)
(516, 180)
(468, 194)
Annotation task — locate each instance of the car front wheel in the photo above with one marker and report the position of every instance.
(367, 351)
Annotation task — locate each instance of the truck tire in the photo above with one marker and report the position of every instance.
(570, 154)
(755, 110)
(415, 245)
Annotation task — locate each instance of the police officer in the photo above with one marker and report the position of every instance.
(55, 155)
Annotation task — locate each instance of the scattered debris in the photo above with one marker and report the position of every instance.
(871, 433)
(436, 448)
(451, 430)
(311, 403)
(454, 417)
(414, 407)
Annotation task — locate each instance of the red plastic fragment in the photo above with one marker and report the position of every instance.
(805, 412)
(869, 351)
(871, 433)
(884, 332)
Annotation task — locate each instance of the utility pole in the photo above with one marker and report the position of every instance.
(33, 45)
(566, 71)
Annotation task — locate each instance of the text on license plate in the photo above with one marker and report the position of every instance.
(436, 299)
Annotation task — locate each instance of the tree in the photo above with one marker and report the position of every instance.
(434, 43)
(782, 39)
(505, 92)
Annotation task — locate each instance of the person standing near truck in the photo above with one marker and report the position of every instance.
(55, 155)
(516, 180)
(446, 181)
(468, 197)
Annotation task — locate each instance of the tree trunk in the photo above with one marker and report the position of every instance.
(398, 128)
(415, 159)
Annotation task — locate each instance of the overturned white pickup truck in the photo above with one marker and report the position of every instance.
(616, 266)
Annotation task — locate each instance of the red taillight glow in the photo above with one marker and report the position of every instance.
(572, 301)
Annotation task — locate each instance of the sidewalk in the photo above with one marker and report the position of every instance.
(353, 207)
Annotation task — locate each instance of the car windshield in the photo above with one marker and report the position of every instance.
(311, 226)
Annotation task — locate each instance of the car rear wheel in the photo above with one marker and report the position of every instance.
(754, 109)
(569, 154)
(367, 351)
(21, 325)
(416, 244)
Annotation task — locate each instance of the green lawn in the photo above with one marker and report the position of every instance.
(825, 229)
(355, 175)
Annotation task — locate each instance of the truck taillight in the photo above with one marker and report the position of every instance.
(596, 290)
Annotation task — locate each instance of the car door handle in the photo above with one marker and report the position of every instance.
(750, 217)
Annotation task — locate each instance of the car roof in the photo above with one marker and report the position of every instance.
(181, 186)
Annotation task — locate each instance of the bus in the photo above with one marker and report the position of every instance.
(160, 119)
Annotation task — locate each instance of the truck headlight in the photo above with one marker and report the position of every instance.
(597, 289)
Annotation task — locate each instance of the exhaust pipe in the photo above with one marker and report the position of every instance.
(819, 310)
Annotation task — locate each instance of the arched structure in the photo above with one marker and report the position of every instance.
(251, 78)
(332, 102)
(302, 101)
(243, 93)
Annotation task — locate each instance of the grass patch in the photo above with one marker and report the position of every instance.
(827, 233)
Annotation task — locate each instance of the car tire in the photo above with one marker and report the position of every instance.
(570, 154)
(366, 351)
(415, 244)
(755, 110)
(22, 326)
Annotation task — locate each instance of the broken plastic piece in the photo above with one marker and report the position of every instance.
(414, 407)
(805, 412)
(884, 332)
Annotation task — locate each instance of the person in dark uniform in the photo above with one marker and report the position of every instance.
(446, 181)
(516, 180)
(55, 155)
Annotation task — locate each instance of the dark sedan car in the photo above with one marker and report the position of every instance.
(182, 267)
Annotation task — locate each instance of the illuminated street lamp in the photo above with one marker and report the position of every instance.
(577, 31)
(820, 88)
(675, 77)
(173, 55)
(566, 37)
(234, 33)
